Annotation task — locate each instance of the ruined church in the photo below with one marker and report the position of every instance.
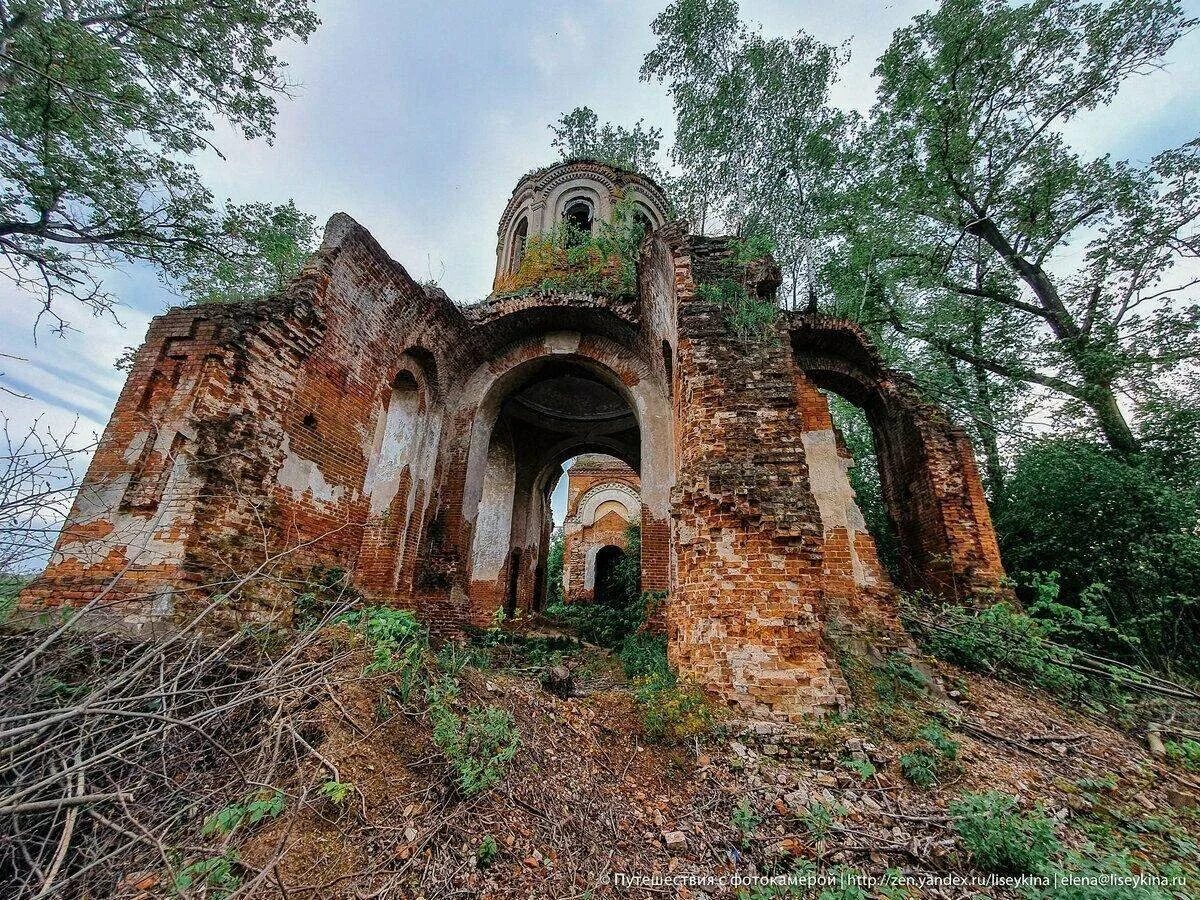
(363, 422)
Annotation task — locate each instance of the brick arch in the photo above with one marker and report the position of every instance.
(621, 365)
(930, 480)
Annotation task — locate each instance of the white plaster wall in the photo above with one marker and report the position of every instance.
(493, 524)
(830, 483)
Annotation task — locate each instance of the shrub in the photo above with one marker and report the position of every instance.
(487, 851)
(397, 641)
(863, 768)
(644, 655)
(1119, 534)
(214, 873)
(251, 811)
(672, 711)
(1185, 753)
(748, 316)
(750, 248)
(336, 792)
(999, 837)
(920, 768)
(1003, 641)
(926, 766)
(817, 819)
(566, 258)
(744, 820)
(479, 746)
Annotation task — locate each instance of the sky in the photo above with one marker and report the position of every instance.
(417, 118)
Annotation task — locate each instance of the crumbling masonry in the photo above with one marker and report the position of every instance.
(365, 423)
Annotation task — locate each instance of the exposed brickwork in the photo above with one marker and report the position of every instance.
(602, 500)
(364, 423)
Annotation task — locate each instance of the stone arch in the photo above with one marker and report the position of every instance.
(588, 506)
(931, 485)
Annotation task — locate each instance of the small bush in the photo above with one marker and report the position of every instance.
(926, 766)
(745, 820)
(479, 747)
(1185, 753)
(746, 315)
(999, 837)
(920, 768)
(673, 711)
(750, 248)
(214, 873)
(397, 641)
(1003, 641)
(487, 851)
(818, 818)
(336, 792)
(644, 655)
(863, 768)
(265, 805)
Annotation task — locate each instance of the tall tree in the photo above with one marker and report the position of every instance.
(259, 249)
(101, 104)
(967, 164)
(756, 135)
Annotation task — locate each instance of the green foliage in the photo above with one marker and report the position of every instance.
(324, 591)
(999, 837)
(579, 135)
(644, 655)
(1102, 867)
(745, 820)
(1185, 753)
(397, 640)
(215, 874)
(1004, 641)
(260, 249)
(751, 248)
(865, 479)
(1121, 540)
(625, 580)
(863, 768)
(756, 137)
(749, 317)
(920, 767)
(250, 811)
(566, 258)
(103, 105)
(945, 746)
(487, 851)
(336, 792)
(10, 587)
(673, 711)
(818, 819)
(478, 746)
(554, 572)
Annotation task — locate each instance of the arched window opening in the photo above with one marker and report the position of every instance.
(520, 239)
(668, 357)
(608, 591)
(856, 440)
(578, 216)
(643, 218)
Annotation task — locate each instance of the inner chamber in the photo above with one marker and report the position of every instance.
(562, 411)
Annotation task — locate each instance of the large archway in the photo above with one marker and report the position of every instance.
(928, 477)
(576, 396)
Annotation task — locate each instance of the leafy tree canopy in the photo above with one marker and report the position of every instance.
(101, 103)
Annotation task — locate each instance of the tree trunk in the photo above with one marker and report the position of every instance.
(1112, 421)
